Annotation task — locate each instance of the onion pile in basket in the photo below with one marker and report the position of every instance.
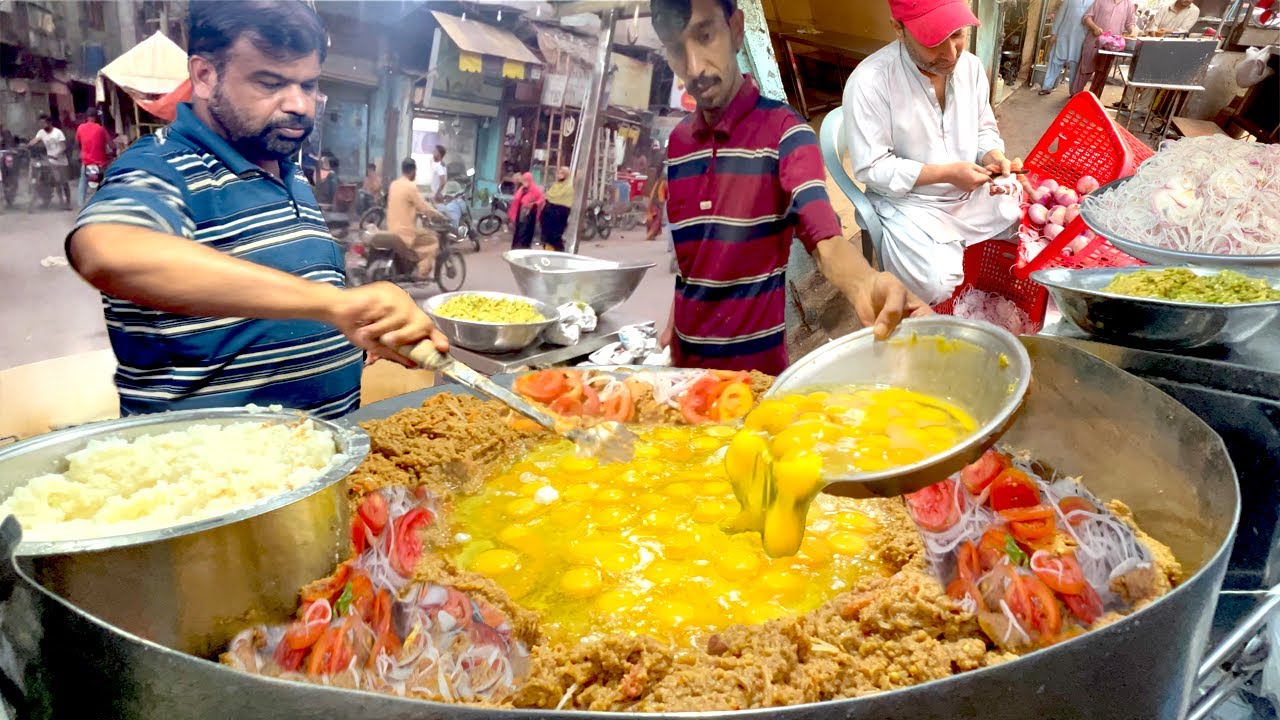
(1050, 208)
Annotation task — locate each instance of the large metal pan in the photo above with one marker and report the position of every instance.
(1082, 415)
(193, 586)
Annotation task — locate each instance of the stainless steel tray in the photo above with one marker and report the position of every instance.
(1164, 256)
(1151, 322)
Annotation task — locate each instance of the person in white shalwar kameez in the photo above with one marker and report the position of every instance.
(1068, 37)
(919, 121)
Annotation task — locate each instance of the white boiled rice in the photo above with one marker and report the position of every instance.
(115, 486)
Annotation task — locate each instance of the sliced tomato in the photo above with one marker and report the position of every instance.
(1074, 503)
(733, 403)
(1013, 489)
(321, 651)
(341, 651)
(741, 376)
(543, 385)
(574, 384)
(359, 538)
(696, 402)
(567, 405)
(619, 404)
(329, 588)
(934, 507)
(1032, 532)
(1033, 605)
(1061, 573)
(302, 635)
(362, 596)
(978, 475)
(1086, 605)
(408, 540)
(968, 566)
(960, 588)
(373, 510)
(992, 548)
(590, 402)
(290, 659)
(1024, 514)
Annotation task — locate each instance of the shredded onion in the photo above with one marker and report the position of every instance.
(1210, 195)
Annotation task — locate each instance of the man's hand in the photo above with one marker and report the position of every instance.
(381, 316)
(881, 301)
(997, 163)
(967, 176)
(668, 335)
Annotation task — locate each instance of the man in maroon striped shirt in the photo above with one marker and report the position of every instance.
(745, 173)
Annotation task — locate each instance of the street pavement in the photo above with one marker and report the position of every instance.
(49, 312)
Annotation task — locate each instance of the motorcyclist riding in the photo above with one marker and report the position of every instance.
(404, 205)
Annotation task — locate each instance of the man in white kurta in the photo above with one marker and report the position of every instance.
(915, 140)
(1068, 37)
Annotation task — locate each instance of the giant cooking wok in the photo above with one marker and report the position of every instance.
(1083, 416)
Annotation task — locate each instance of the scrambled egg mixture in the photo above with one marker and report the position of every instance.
(642, 548)
(1226, 287)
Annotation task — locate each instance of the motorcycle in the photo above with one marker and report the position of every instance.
(457, 207)
(497, 217)
(597, 220)
(388, 258)
(42, 178)
(10, 172)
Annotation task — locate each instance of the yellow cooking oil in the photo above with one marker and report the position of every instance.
(642, 548)
(788, 444)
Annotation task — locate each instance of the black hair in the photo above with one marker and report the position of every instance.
(46, 117)
(670, 17)
(408, 165)
(440, 149)
(279, 29)
(371, 166)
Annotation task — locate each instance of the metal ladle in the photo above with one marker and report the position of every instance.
(607, 441)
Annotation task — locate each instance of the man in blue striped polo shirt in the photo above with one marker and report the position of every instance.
(221, 284)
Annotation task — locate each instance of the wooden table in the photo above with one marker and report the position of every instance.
(1190, 127)
(853, 48)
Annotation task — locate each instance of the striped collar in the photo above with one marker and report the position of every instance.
(191, 128)
(737, 109)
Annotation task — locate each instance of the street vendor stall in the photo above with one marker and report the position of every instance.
(153, 74)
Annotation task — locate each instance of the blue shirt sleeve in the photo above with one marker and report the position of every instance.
(141, 188)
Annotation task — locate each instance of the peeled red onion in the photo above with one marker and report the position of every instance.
(1038, 214)
(1065, 196)
(1058, 216)
(1042, 196)
(1052, 230)
(1073, 212)
(1078, 244)
(1049, 184)
(1086, 184)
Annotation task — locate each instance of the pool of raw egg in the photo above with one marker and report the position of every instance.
(641, 548)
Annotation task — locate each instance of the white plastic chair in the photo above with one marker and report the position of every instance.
(832, 141)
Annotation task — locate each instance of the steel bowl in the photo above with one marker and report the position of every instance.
(1164, 256)
(193, 586)
(491, 337)
(558, 278)
(1160, 324)
(981, 368)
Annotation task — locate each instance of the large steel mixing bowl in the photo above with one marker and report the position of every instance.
(979, 367)
(1157, 255)
(558, 278)
(1152, 322)
(193, 586)
(491, 337)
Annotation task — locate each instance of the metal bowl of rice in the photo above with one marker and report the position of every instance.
(237, 557)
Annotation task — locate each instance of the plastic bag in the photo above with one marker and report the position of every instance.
(1110, 41)
(575, 319)
(1253, 69)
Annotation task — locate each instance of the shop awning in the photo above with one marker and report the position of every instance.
(155, 66)
(477, 40)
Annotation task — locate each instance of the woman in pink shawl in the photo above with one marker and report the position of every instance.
(525, 207)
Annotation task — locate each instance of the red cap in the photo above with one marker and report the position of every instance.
(932, 21)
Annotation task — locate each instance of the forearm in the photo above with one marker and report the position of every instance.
(173, 274)
(933, 175)
(842, 266)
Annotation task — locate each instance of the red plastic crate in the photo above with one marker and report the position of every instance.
(1081, 141)
(988, 266)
